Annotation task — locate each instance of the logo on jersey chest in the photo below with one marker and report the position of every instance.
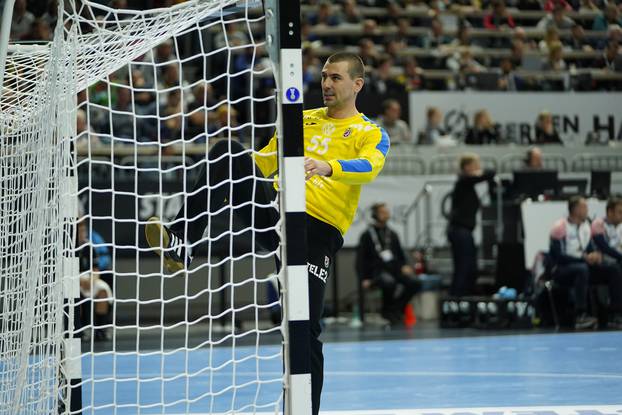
(328, 129)
(347, 132)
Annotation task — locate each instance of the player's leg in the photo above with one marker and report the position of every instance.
(387, 285)
(611, 275)
(323, 243)
(459, 250)
(410, 287)
(231, 172)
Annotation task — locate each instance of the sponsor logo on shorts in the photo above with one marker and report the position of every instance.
(318, 271)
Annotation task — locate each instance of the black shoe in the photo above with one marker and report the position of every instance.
(584, 322)
(163, 240)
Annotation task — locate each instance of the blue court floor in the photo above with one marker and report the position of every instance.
(393, 377)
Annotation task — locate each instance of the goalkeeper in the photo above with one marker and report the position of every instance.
(343, 150)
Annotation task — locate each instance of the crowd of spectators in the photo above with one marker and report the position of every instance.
(174, 92)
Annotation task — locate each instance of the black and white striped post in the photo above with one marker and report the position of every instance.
(72, 347)
(283, 26)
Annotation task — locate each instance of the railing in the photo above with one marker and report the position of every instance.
(421, 211)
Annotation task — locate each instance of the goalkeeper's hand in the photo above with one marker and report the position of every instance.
(317, 167)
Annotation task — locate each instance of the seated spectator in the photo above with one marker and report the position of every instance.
(533, 159)
(368, 52)
(606, 232)
(483, 131)
(382, 83)
(310, 68)
(121, 121)
(549, 5)
(555, 61)
(545, 130)
(557, 18)
(614, 33)
(199, 118)
(465, 204)
(144, 97)
(520, 35)
(463, 62)
(577, 264)
(381, 263)
(163, 54)
(39, 31)
(325, 16)
(351, 12)
(171, 117)
(412, 77)
(370, 29)
(170, 79)
(611, 16)
(232, 36)
(433, 131)
(611, 58)
(84, 132)
(578, 41)
(390, 120)
(393, 49)
(436, 37)
(517, 53)
(498, 18)
(507, 80)
(394, 12)
(22, 20)
(551, 36)
(588, 6)
(95, 293)
(463, 37)
(51, 13)
(403, 28)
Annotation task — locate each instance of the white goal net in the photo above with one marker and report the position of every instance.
(101, 129)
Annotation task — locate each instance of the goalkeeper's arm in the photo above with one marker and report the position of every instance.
(266, 158)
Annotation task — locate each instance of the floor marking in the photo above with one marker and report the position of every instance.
(478, 374)
(516, 410)
(144, 375)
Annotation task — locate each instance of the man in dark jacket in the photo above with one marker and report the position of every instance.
(380, 262)
(464, 206)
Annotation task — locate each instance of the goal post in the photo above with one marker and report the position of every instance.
(285, 50)
(124, 116)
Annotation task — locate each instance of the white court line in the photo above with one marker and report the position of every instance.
(388, 373)
(478, 374)
(515, 410)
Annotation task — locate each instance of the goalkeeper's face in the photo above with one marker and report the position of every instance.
(338, 88)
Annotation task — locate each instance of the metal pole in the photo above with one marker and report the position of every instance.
(5, 33)
(428, 214)
(500, 226)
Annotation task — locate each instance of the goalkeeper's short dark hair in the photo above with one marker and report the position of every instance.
(356, 68)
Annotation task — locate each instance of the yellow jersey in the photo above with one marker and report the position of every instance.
(354, 147)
